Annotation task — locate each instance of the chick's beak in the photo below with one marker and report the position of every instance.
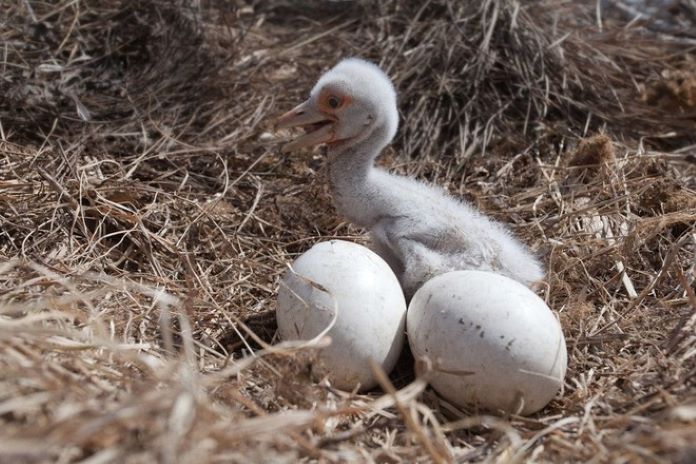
(320, 127)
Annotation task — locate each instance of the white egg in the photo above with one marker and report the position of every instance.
(352, 282)
(491, 340)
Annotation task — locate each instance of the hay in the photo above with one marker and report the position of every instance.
(146, 215)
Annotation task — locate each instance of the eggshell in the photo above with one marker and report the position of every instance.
(351, 279)
(492, 341)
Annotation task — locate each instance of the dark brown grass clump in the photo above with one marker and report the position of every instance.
(145, 215)
(473, 69)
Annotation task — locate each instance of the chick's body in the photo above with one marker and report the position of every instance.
(421, 231)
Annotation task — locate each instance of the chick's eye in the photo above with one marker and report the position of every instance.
(334, 101)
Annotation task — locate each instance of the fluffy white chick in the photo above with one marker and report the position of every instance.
(418, 229)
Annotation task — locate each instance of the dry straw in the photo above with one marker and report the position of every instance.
(146, 214)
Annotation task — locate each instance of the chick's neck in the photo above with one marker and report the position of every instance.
(356, 184)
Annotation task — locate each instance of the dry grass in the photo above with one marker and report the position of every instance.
(146, 214)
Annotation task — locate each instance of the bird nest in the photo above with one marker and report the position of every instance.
(147, 213)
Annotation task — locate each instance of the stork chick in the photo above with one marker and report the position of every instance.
(418, 229)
